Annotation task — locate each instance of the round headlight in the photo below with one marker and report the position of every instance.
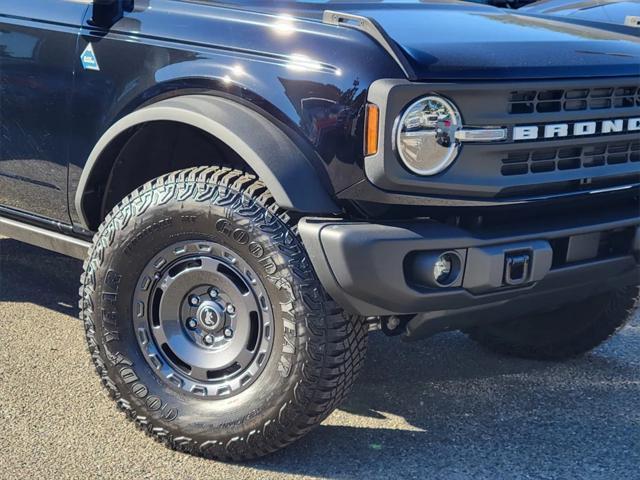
(425, 136)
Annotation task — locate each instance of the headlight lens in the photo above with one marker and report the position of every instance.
(425, 136)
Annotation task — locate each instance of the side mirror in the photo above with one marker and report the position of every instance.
(107, 12)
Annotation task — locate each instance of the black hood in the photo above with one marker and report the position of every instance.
(460, 40)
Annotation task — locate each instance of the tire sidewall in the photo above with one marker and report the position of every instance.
(264, 242)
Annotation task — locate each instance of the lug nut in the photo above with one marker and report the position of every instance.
(213, 293)
(231, 309)
(208, 339)
(192, 323)
(228, 333)
(194, 300)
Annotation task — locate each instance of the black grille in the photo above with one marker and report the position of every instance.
(573, 100)
(569, 158)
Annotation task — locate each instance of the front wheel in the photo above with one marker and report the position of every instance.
(206, 321)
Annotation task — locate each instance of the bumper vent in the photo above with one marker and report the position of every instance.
(573, 100)
(569, 158)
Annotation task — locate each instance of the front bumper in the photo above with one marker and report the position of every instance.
(375, 268)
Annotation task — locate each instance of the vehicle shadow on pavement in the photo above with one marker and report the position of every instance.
(447, 408)
(31, 274)
(440, 408)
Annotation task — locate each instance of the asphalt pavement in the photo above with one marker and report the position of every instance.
(443, 408)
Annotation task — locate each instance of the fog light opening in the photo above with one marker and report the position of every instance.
(436, 269)
(446, 269)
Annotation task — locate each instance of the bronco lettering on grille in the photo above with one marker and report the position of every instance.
(559, 130)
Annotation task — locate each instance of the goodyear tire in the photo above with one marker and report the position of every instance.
(568, 332)
(206, 321)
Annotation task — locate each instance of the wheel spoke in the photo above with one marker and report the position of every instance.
(244, 358)
(199, 373)
(158, 333)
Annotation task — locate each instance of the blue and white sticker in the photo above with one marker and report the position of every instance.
(89, 60)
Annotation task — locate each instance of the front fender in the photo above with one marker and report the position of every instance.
(286, 171)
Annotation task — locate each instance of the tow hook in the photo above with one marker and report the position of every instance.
(516, 268)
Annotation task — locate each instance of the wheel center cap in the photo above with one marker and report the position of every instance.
(210, 315)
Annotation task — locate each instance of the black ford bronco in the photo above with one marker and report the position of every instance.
(255, 186)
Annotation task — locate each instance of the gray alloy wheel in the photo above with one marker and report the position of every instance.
(203, 318)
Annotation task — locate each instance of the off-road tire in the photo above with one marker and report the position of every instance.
(301, 384)
(567, 332)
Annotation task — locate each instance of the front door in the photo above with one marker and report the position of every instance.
(38, 42)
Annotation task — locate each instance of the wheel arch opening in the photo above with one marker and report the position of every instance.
(147, 151)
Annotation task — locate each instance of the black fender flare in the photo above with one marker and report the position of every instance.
(287, 172)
